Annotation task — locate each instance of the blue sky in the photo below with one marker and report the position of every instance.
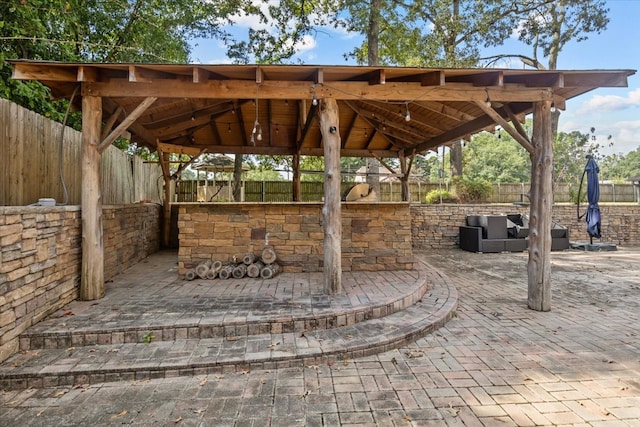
(611, 111)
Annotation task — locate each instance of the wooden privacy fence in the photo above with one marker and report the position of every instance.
(281, 191)
(32, 158)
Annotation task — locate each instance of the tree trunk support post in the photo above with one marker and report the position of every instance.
(297, 184)
(539, 265)
(331, 210)
(166, 203)
(92, 275)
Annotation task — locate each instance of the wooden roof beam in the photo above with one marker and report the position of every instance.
(310, 116)
(555, 80)
(521, 138)
(489, 78)
(141, 134)
(430, 78)
(454, 134)
(396, 120)
(196, 121)
(586, 79)
(240, 89)
(139, 74)
(26, 71)
(124, 125)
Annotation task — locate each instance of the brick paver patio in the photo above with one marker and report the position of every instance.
(495, 363)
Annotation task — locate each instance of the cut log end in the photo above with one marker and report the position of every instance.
(269, 271)
(190, 275)
(268, 255)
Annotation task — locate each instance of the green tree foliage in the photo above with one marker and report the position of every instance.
(496, 159)
(101, 31)
(620, 167)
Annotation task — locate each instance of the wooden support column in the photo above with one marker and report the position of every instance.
(166, 203)
(331, 210)
(297, 184)
(539, 267)
(92, 275)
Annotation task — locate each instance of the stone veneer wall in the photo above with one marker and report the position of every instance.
(375, 237)
(40, 252)
(436, 226)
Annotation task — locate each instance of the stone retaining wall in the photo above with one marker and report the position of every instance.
(436, 226)
(40, 251)
(375, 237)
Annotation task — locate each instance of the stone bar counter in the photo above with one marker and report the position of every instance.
(375, 236)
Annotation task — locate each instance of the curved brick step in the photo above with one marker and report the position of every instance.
(157, 359)
(258, 314)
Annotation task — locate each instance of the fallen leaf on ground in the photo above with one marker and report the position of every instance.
(407, 418)
(82, 386)
(232, 338)
(61, 393)
(453, 411)
(203, 381)
(120, 414)
(177, 420)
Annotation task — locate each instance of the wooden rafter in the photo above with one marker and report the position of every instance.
(494, 115)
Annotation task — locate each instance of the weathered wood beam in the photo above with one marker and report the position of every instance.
(92, 274)
(166, 203)
(108, 125)
(445, 110)
(515, 121)
(481, 79)
(555, 80)
(297, 178)
(25, 71)
(221, 106)
(539, 264)
(180, 149)
(229, 89)
(87, 74)
(201, 118)
(522, 139)
(594, 80)
(331, 210)
(429, 78)
(349, 130)
(310, 116)
(454, 134)
(140, 74)
(393, 119)
(124, 125)
(141, 135)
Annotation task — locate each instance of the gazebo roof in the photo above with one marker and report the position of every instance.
(194, 108)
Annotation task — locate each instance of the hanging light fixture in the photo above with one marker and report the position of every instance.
(407, 116)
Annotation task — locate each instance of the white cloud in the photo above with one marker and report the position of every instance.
(611, 102)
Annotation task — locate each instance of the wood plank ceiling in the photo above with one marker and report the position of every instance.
(384, 111)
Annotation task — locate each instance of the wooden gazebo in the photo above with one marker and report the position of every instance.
(298, 110)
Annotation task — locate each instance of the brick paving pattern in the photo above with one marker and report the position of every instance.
(495, 363)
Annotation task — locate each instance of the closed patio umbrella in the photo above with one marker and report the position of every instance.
(593, 196)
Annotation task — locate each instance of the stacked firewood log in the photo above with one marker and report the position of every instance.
(250, 265)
